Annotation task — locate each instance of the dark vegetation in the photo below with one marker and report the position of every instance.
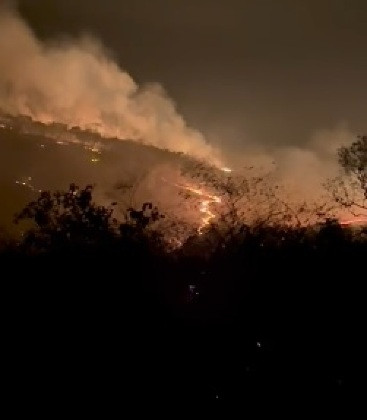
(97, 313)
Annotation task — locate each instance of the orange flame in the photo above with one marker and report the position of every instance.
(205, 202)
(355, 221)
(204, 208)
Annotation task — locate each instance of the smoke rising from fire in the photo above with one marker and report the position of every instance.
(77, 83)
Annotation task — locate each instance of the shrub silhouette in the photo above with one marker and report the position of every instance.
(70, 219)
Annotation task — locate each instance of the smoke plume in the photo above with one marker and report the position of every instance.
(77, 83)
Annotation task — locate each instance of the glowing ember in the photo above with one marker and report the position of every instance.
(27, 182)
(94, 147)
(355, 221)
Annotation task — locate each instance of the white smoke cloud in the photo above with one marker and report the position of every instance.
(76, 83)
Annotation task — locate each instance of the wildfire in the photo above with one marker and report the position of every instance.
(205, 202)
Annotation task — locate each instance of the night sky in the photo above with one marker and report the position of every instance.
(258, 72)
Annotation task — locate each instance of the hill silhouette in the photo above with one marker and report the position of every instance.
(51, 155)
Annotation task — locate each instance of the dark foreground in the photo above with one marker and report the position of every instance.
(257, 327)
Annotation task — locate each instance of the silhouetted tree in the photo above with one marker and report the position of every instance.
(354, 161)
(72, 219)
(64, 218)
(250, 200)
(350, 190)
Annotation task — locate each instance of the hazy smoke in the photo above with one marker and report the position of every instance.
(76, 83)
(307, 168)
(302, 169)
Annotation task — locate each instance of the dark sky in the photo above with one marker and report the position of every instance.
(262, 71)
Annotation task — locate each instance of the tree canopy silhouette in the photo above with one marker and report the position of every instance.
(72, 219)
(354, 161)
(350, 190)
